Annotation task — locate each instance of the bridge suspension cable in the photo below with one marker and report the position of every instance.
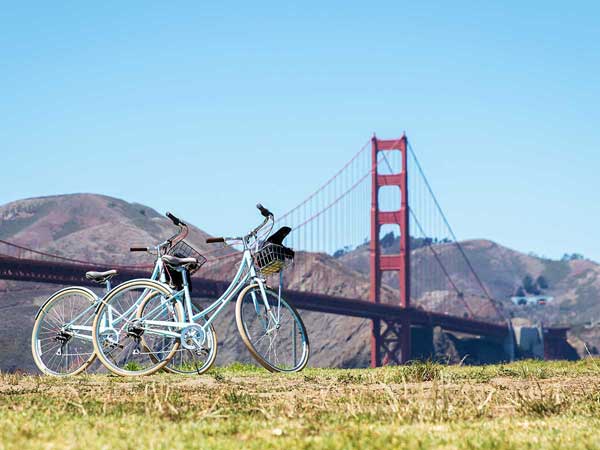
(430, 229)
(333, 222)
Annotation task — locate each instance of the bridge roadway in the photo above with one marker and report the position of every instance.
(69, 273)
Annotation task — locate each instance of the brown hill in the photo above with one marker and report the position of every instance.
(88, 226)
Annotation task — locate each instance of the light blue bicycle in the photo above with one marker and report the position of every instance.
(150, 323)
(61, 341)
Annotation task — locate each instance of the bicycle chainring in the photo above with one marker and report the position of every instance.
(193, 337)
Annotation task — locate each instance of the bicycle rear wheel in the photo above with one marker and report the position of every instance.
(276, 338)
(61, 340)
(124, 342)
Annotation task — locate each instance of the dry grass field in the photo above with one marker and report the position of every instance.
(527, 404)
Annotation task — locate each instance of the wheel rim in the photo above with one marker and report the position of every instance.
(127, 345)
(59, 348)
(279, 337)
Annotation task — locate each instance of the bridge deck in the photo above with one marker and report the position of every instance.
(65, 273)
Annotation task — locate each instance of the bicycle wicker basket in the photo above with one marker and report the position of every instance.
(184, 250)
(273, 258)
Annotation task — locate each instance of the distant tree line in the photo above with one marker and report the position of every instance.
(390, 239)
(531, 286)
(572, 257)
(416, 243)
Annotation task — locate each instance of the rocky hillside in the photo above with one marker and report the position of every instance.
(574, 284)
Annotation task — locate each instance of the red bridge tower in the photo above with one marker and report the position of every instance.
(390, 340)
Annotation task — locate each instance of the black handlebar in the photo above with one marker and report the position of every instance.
(264, 211)
(138, 249)
(175, 220)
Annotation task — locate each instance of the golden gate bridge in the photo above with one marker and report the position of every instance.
(377, 218)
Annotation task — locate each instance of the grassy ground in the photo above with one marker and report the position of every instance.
(522, 405)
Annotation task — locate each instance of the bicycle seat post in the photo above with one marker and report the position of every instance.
(107, 285)
(187, 293)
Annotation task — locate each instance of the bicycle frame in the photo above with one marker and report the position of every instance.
(246, 274)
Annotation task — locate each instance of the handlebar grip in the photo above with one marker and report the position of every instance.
(174, 219)
(138, 249)
(264, 211)
(214, 240)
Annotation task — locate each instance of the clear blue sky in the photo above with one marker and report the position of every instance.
(501, 103)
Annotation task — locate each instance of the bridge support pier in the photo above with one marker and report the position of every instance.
(390, 341)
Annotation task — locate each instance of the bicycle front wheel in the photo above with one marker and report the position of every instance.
(275, 336)
(129, 344)
(61, 341)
